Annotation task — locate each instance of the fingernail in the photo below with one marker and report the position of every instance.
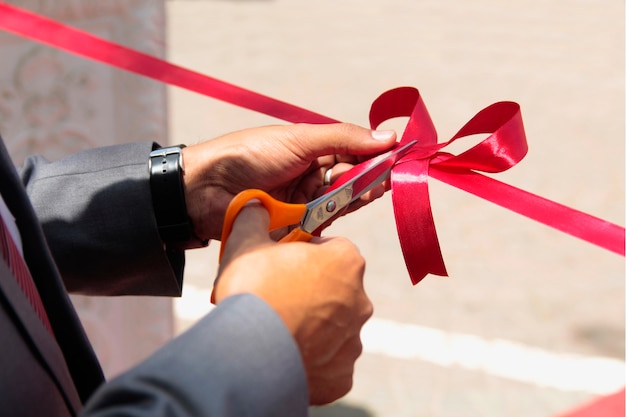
(382, 134)
(253, 202)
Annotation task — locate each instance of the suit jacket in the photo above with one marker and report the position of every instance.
(87, 225)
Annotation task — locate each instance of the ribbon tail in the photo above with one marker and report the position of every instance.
(573, 222)
(414, 220)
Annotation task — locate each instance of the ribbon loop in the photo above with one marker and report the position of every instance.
(502, 149)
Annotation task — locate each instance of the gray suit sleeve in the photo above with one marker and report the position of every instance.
(238, 361)
(96, 211)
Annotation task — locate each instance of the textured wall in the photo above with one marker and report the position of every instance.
(53, 103)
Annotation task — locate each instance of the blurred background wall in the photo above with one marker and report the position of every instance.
(54, 104)
(530, 321)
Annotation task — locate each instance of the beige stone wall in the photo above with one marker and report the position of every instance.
(53, 103)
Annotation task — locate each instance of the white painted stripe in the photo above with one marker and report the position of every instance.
(194, 304)
(502, 358)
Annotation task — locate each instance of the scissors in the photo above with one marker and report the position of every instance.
(315, 215)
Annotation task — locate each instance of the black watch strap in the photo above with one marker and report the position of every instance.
(168, 198)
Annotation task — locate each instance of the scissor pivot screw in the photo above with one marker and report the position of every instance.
(331, 206)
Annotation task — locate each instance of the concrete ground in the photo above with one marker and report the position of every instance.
(530, 321)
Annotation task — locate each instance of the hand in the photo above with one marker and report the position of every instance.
(288, 162)
(317, 290)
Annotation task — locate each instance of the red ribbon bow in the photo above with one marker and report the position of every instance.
(504, 147)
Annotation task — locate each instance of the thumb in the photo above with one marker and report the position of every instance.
(343, 139)
(250, 229)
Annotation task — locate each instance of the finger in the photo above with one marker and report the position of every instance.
(342, 139)
(250, 229)
(334, 379)
(338, 170)
(342, 361)
(328, 176)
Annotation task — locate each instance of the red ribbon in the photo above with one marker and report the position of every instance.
(47, 31)
(503, 148)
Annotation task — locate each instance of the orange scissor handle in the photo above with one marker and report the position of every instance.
(297, 235)
(281, 214)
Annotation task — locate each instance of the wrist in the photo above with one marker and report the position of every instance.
(205, 197)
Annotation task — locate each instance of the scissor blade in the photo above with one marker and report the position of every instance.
(377, 173)
(323, 209)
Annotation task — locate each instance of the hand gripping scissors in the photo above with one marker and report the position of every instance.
(313, 216)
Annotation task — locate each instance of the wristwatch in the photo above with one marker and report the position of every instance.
(168, 198)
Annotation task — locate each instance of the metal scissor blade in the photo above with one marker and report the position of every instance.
(378, 172)
(331, 204)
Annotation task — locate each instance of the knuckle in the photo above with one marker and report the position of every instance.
(339, 388)
(344, 134)
(357, 349)
(331, 390)
(348, 248)
(347, 129)
(345, 386)
(368, 310)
